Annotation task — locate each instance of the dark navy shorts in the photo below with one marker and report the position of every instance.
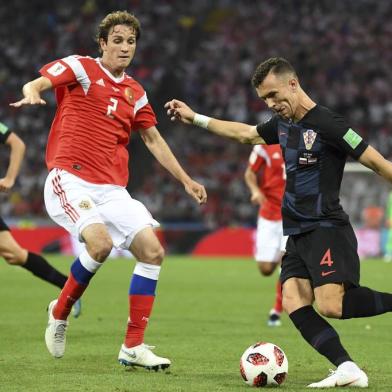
(3, 225)
(323, 255)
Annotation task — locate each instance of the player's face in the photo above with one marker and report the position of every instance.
(118, 51)
(280, 94)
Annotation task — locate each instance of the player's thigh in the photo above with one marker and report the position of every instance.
(268, 241)
(331, 256)
(146, 247)
(71, 202)
(297, 293)
(329, 299)
(293, 265)
(125, 217)
(10, 250)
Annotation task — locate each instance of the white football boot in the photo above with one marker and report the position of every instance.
(274, 319)
(77, 308)
(348, 374)
(55, 333)
(142, 356)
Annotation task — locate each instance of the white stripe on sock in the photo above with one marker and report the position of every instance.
(88, 262)
(149, 271)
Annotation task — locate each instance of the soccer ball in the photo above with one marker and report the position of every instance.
(264, 364)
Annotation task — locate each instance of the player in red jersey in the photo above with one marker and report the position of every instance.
(267, 192)
(98, 107)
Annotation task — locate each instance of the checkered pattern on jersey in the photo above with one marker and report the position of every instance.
(315, 152)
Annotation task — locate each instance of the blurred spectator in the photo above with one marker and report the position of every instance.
(205, 52)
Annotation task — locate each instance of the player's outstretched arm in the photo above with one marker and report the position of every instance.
(16, 157)
(163, 154)
(32, 92)
(372, 159)
(244, 133)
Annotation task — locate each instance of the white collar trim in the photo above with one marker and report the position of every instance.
(108, 73)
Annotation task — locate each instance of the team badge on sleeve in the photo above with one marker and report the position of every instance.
(309, 138)
(3, 128)
(352, 138)
(57, 69)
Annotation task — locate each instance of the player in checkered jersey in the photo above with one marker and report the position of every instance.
(266, 178)
(99, 105)
(321, 262)
(10, 250)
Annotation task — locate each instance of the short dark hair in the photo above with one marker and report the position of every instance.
(113, 19)
(276, 65)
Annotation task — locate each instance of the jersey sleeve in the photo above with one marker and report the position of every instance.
(4, 133)
(61, 72)
(269, 131)
(343, 137)
(256, 160)
(144, 114)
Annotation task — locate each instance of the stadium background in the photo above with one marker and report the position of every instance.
(204, 52)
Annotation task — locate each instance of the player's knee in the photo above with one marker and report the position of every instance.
(154, 255)
(13, 258)
(265, 268)
(294, 300)
(287, 305)
(100, 249)
(330, 309)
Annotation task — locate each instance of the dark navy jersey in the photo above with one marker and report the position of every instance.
(4, 133)
(315, 150)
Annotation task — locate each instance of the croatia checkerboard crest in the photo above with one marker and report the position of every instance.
(309, 138)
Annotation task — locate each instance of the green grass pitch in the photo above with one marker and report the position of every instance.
(207, 312)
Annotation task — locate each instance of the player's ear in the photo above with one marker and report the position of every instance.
(102, 44)
(293, 83)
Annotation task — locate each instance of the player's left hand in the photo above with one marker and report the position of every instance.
(178, 110)
(6, 184)
(197, 191)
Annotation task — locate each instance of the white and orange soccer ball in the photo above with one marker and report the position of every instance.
(264, 364)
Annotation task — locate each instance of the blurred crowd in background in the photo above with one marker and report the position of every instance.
(203, 52)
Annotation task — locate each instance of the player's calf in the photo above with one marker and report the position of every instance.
(365, 302)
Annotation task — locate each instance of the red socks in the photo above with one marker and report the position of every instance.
(278, 298)
(140, 307)
(70, 293)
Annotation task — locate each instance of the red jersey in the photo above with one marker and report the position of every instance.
(95, 115)
(269, 160)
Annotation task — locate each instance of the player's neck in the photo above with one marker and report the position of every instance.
(116, 72)
(305, 104)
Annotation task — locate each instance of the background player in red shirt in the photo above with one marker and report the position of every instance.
(10, 250)
(98, 107)
(265, 177)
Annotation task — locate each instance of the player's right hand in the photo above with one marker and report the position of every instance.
(31, 97)
(28, 101)
(257, 198)
(197, 191)
(178, 110)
